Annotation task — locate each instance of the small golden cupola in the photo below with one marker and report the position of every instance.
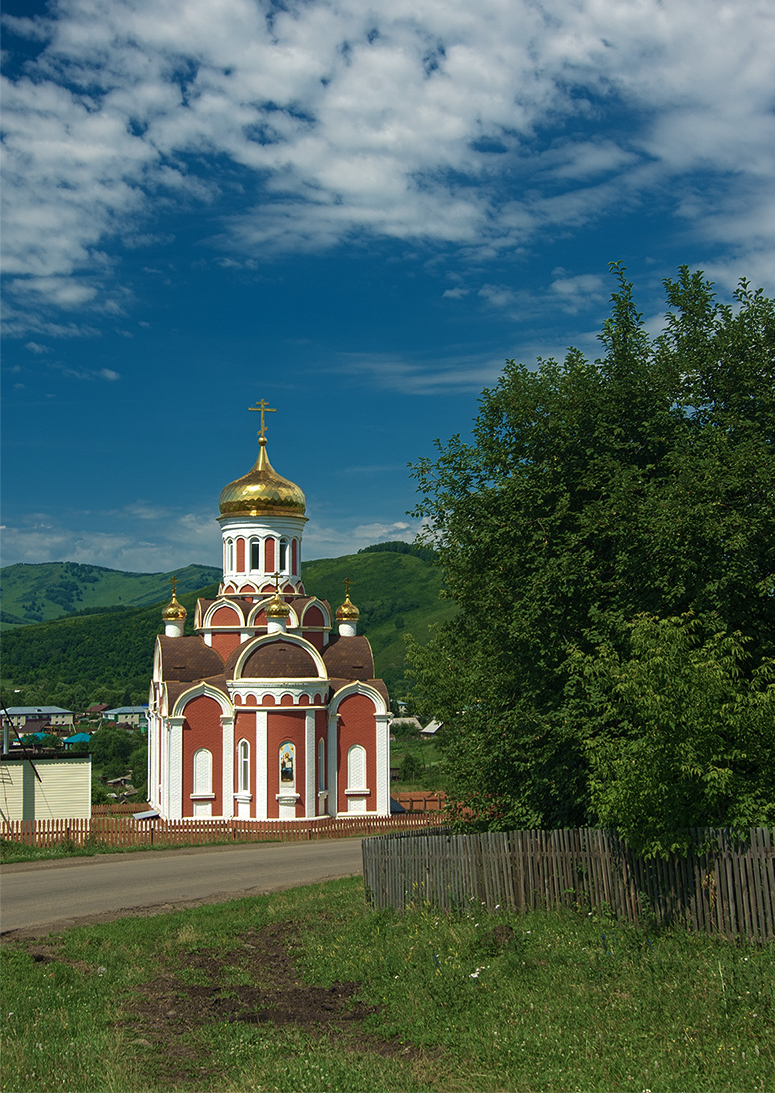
(174, 614)
(347, 615)
(277, 612)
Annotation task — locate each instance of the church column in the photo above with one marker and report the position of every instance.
(174, 808)
(310, 766)
(227, 751)
(262, 774)
(382, 721)
(333, 766)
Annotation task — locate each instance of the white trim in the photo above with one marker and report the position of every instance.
(310, 764)
(262, 759)
(227, 750)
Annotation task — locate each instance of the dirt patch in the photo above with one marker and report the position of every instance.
(255, 983)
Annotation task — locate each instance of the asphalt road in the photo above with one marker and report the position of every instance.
(40, 896)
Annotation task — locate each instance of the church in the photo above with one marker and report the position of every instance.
(270, 711)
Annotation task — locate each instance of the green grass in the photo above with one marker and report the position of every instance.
(428, 756)
(13, 852)
(473, 1002)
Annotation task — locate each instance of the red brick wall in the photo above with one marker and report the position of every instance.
(226, 616)
(245, 729)
(202, 729)
(282, 727)
(240, 555)
(269, 556)
(357, 726)
(225, 643)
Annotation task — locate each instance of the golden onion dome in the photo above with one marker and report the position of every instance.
(262, 492)
(277, 608)
(348, 611)
(174, 610)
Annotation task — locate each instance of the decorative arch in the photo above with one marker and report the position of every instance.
(315, 614)
(357, 687)
(222, 612)
(265, 640)
(197, 689)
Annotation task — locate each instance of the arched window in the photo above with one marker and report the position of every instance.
(230, 555)
(356, 767)
(203, 771)
(243, 767)
(283, 564)
(287, 766)
(322, 781)
(255, 548)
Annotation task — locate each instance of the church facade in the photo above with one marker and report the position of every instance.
(271, 709)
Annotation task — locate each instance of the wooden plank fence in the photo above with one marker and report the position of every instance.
(724, 886)
(417, 800)
(124, 831)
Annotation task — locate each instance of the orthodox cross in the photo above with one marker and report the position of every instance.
(276, 576)
(346, 583)
(263, 407)
(174, 583)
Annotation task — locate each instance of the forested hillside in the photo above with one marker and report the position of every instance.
(107, 657)
(50, 590)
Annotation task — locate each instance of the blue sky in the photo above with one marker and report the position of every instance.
(356, 212)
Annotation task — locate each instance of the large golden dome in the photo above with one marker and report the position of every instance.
(262, 492)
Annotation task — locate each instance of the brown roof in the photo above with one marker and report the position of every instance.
(188, 659)
(279, 659)
(349, 658)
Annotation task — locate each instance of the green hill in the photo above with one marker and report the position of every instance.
(50, 590)
(106, 655)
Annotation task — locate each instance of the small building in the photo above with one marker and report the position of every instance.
(48, 715)
(45, 787)
(79, 741)
(137, 716)
(97, 710)
(431, 729)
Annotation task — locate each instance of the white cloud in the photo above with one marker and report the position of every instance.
(168, 539)
(418, 120)
(422, 376)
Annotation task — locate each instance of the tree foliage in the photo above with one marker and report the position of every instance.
(111, 748)
(594, 492)
(680, 736)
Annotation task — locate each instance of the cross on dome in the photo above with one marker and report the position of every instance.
(263, 407)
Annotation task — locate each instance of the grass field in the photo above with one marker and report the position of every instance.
(308, 990)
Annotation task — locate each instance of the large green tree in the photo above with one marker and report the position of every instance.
(593, 492)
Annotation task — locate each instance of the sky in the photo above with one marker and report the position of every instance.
(356, 212)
